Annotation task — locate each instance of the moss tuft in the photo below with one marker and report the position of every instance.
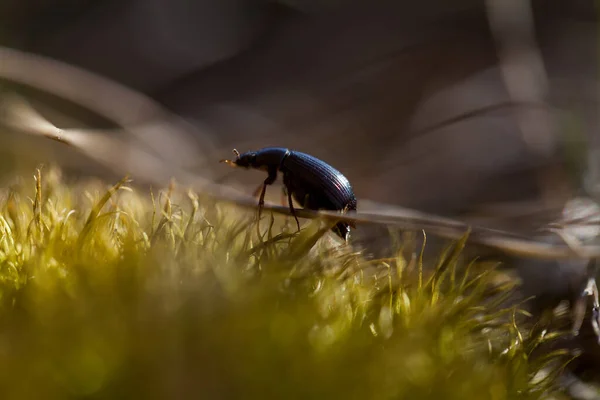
(117, 293)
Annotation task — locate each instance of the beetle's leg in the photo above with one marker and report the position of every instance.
(289, 196)
(261, 199)
(263, 189)
(291, 203)
(260, 192)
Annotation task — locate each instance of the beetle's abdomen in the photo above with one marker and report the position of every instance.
(317, 185)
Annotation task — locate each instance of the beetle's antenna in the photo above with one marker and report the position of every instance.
(237, 153)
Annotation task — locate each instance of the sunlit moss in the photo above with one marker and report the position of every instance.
(119, 293)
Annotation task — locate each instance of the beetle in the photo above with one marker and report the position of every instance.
(314, 184)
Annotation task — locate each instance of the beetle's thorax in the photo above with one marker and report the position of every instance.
(272, 156)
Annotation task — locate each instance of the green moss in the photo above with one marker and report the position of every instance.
(124, 294)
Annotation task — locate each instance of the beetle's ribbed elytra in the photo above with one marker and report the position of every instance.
(313, 183)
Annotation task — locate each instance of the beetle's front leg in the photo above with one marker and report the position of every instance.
(263, 189)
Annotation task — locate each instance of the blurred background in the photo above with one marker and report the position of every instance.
(483, 109)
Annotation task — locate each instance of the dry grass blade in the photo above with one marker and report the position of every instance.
(104, 97)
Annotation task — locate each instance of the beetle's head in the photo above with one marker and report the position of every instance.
(245, 160)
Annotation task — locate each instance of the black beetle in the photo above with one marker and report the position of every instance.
(313, 183)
